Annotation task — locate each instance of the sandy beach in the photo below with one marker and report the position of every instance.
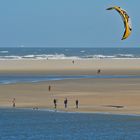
(94, 95)
(108, 66)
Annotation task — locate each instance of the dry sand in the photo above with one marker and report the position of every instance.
(94, 95)
(108, 66)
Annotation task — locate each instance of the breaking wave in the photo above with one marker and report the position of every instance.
(62, 56)
(43, 56)
(3, 51)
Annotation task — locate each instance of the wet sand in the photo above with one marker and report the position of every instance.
(94, 95)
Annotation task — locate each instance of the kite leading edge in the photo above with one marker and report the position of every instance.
(126, 19)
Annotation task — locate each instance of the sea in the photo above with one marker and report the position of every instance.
(28, 124)
(68, 53)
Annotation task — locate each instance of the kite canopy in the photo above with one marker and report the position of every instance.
(126, 19)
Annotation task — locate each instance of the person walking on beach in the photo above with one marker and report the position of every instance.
(49, 88)
(73, 61)
(77, 103)
(65, 102)
(14, 102)
(55, 103)
(98, 71)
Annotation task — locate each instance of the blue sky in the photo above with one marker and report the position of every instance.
(66, 23)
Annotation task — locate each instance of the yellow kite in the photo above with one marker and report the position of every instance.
(126, 20)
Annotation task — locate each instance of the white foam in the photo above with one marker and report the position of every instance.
(125, 55)
(10, 57)
(29, 56)
(3, 51)
(62, 56)
(82, 51)
(99, 56)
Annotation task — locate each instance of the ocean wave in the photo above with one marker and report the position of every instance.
(10, 57)
(63, 56)
(125, 55)
(29, 56)
(99, 56)
(82, 51)
(42, 56)
(111, 56)
(3, 51)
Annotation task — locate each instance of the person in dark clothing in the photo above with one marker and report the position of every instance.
(65, 102)
(98, 71)
(77, 103)
(14, 102)
(55, 103)
(49, 88)
(73, 61)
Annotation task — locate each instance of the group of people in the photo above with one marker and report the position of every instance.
(54, 101)
(65, 103)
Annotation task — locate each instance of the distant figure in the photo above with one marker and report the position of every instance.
(65, 102)
(55, 103)
(98, 71)
(49, 88)
(77, 103)
(73, 61)
(35, 108)
(14, 102)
